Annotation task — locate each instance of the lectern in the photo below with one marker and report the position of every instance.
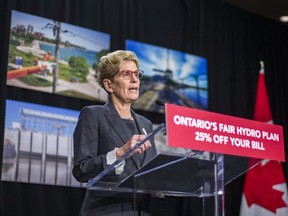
(228, 143)
(189, 175)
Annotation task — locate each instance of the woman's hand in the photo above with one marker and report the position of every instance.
(131, 143)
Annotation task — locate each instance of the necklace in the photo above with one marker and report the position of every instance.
(127, 118)
(127, 113)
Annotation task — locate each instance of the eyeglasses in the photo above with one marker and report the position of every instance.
(127, 74)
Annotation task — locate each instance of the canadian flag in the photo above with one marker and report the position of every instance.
(265, 189)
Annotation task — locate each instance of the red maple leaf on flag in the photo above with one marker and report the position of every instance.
(262, 180)
(265, 196)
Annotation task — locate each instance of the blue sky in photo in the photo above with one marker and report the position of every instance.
(13, 111)
(84, 37)
(183, 65)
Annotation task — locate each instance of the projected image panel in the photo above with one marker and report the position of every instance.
(55, 57)
(38, 144)
(169, 75)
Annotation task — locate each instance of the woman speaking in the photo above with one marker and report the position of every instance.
(106, 132)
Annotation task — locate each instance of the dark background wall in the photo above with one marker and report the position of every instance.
(233, 41)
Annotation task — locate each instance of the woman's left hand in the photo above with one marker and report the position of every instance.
(131, 144)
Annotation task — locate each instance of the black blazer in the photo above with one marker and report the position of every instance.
(99, 130)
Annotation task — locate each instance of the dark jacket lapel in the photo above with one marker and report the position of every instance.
(116, 122)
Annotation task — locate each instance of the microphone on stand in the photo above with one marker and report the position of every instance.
(160, 102)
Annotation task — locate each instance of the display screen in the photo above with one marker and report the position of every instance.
(170, 76)
(38, 144)
(55, 57)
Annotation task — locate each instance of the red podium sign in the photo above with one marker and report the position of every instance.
(207, 131)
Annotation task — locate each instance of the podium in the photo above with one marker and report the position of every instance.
(204, 171)
(178, 175)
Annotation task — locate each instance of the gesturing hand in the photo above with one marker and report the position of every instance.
(131, 143)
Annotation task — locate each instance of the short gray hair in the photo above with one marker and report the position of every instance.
(109, 64)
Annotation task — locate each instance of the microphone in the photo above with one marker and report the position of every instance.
(160, 102)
